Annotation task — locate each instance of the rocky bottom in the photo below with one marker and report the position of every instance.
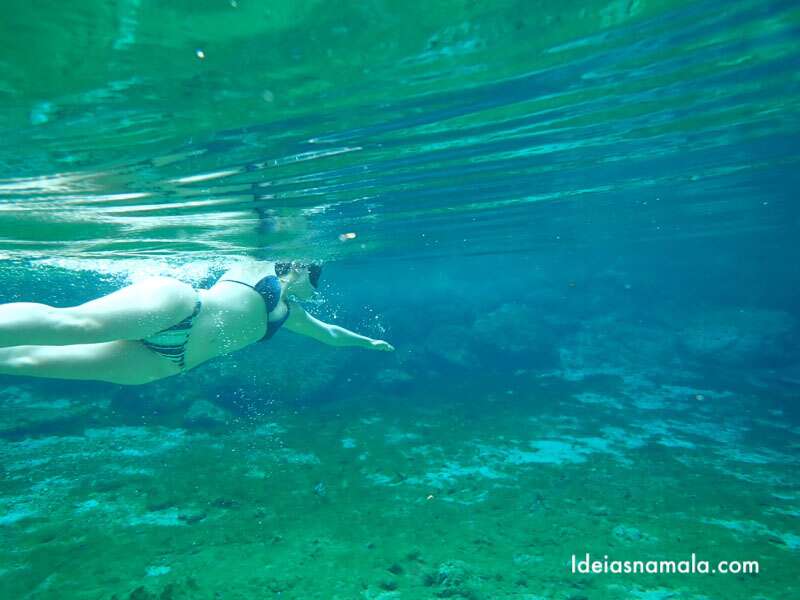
(484, 492)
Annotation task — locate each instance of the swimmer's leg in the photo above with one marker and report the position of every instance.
(132, 313)
(124, 362)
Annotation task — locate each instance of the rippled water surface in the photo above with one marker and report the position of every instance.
(135, 128)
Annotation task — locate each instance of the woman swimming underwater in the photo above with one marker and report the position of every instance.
(162, 326)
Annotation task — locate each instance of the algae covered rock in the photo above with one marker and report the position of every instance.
(513, 328)
(612, 342)
(451, 345)
(512, 334)
(392, 379)
(37, 408)
(739, 337)
(453, 579)
(287, 370)
(627, 534)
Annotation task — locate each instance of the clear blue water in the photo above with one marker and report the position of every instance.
(575, 222)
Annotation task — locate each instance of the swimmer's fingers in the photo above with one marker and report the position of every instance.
(382, 345)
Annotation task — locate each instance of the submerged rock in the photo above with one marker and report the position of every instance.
(291, 369)
(611, 342)
(513, 329)
(393, 378)
(40, 408)
(157, 570)
(141, 593)
(453, 579)
(627, 534)
(739, 337)
(203, 413)
(451, 344)
(192, 517)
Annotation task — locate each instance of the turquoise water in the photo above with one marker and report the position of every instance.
(576, 222)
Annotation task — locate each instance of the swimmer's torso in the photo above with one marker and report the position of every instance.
(232, 316)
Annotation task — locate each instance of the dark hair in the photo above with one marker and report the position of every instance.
(314, 270)
(314, 273)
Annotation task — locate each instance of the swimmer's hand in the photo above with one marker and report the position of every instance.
(381, 345)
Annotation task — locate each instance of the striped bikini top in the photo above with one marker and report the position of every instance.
(269, 288)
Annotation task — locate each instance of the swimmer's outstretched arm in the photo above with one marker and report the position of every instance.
(301, 322)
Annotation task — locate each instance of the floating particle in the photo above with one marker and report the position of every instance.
(430, 497)
(700, 397)
(199, 53)
(347, 236)
(234, 4)
(268, 96)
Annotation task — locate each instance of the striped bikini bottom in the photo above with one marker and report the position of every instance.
(171, 342)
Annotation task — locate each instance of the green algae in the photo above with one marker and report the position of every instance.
(421, 500)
